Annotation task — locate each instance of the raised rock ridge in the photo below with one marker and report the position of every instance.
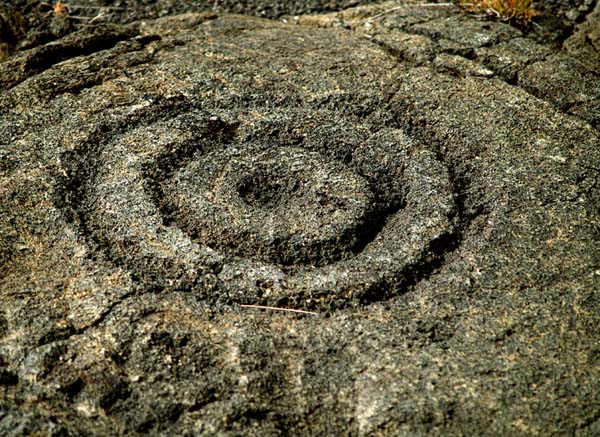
(424, 185)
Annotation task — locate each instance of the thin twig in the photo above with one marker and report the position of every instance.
(88, 19)
(290, 310)
(100, 15)
(111, 8)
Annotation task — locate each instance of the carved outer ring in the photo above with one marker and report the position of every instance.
(121, 213)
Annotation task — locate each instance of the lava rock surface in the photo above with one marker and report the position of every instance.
(422, 185)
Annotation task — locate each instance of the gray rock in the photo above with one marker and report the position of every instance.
(413, 181)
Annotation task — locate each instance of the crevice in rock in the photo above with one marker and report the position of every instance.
(40, 59)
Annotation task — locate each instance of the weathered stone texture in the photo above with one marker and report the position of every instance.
(425, 183)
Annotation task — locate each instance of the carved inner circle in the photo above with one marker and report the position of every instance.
(283, 204)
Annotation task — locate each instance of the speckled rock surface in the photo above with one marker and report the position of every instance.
(422, 184)
(25, 24)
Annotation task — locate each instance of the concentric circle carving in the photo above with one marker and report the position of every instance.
(244, 211)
